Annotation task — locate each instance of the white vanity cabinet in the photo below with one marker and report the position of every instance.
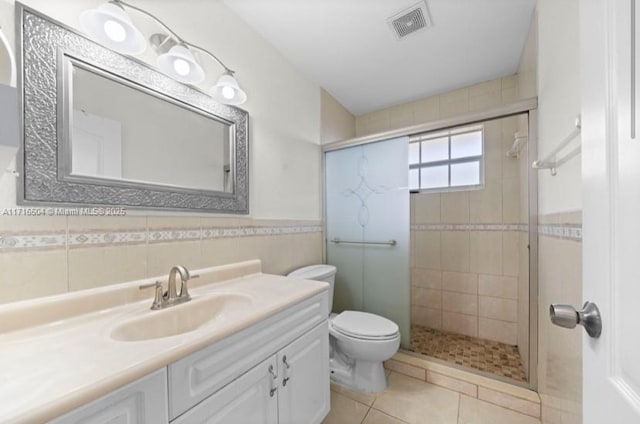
(280, 364)
(273, 392)
(142, 402)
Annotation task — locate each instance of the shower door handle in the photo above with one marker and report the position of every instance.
(566, 316)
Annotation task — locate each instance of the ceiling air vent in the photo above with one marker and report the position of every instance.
(410, 20)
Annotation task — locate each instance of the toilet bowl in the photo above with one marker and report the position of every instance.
(360, 341)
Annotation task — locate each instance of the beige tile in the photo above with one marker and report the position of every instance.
(498, 308)
(498, 286)
(33, 224)
(401, 116)
(485, 205)
(455, 207)
(500, 331)
(426, 208)
(426, 110)
(223, 251)
(511, 253)
(377, 417)
(406, 369)
(485, 101)
(509, 82)
(455, 251)
(101, 266)
(452, 383)
(379, 121)
(307, 249)
(454, 103)
(486, 252)
(460, 303)
(431, 318)
(84, 223)
(173, 222)
(461, 282)
(365, 398)
(428, 249)
(511, 200)
(162, 256)
(426, 278)
(428, 298)
(33, 274)
(412, 400)
(345, 410)
(484, 88)
(459, 323)
(510, 402)
(493, 165)
(474, 411)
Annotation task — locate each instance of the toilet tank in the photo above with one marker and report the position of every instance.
(325, 273)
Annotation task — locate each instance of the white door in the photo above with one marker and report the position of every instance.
(250, 399)
(303, 370)
(610, 78)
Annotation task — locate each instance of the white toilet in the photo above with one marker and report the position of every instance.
(360, 341)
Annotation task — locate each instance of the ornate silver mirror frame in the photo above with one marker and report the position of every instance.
(44, 46)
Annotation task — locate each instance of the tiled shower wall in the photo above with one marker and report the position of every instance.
(469, 247)
(42, 256)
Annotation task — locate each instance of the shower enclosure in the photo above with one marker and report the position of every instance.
(367, 218)
(436, 230)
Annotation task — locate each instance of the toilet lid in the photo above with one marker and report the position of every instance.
(364, 325)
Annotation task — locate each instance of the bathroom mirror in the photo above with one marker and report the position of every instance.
(102, 129)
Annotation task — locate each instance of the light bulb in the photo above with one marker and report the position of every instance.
(228, 92)
(181, 67)
(115, 31)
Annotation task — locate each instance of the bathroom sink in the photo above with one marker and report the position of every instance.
(181, 318)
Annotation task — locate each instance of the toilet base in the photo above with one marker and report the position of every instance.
(361, 376)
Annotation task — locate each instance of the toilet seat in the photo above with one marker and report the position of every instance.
(365, 326)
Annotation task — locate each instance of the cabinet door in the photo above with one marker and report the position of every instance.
(304, 378)
(142, 402)
(251, 399)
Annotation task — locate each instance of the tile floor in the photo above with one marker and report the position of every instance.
(411, 401)
(484, 355)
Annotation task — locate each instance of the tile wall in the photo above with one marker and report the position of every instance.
(42, 256)
(467, 248)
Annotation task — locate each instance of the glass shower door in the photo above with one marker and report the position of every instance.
(367, 210)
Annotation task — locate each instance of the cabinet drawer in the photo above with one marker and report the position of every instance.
(252, 398)
(202, 373)
(142, 402)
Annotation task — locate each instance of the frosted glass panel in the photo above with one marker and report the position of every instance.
(435, 150)
(367, 199)
(464, 174)
(466, 145)
(433, 177)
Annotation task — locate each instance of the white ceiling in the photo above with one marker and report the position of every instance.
(347, 47)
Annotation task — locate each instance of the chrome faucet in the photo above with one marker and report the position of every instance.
(171, 297)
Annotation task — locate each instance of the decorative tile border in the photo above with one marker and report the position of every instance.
(20, 242)
(470, 227)
(11, 242)
(560, 231)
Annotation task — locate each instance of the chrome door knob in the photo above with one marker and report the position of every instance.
(566, 316)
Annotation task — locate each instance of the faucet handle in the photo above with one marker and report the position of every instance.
(184, 291)
(158, 299)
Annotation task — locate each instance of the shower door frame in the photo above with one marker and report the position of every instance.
(526, 106)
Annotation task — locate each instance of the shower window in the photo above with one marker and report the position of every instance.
(450, 160)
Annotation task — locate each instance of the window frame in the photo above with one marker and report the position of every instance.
(420, 138)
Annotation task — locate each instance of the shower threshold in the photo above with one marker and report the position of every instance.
(486, 356)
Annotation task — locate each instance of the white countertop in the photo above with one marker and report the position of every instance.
(50, 368)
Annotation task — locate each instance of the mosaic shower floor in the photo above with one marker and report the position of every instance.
(484, 355)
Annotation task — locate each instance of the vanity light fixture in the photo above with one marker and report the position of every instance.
(110, 25)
